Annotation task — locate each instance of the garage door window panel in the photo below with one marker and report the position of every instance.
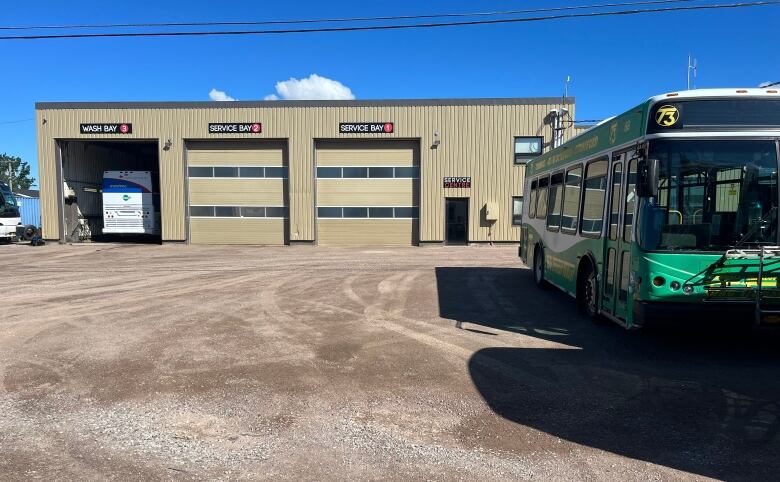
(225, 172)
(276, 212)
(329, 212)
(201, 171)
(353, 212)
(407, 213)
(355, 172)
(329, 172)
(382, 213)
(251, 172)
(252, 212)
(227, 211)
(407, 172)
(276, 172)
(380, 172)
(202, 211)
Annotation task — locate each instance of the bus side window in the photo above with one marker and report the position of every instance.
(592, 219)
(571, 200)
(628, 215)
(532, 200)
(541, 198)
(614, 215)
(554, 203)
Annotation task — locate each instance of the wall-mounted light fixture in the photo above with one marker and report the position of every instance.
(436, 140)
(167, 145)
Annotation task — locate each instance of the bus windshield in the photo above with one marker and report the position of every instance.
(711, 194)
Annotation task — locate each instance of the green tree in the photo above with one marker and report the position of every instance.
(18, 175)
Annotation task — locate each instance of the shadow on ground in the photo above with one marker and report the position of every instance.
(706, 402)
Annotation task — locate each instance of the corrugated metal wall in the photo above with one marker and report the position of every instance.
(476, 140)
(30, 209)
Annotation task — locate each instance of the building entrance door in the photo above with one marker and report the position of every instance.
(457, 221)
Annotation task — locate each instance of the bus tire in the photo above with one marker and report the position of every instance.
(538, 269)
(588, 293)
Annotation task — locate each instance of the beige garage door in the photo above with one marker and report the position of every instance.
(237, 192)
(368, 193)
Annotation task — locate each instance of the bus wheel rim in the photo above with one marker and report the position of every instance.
(590, 295)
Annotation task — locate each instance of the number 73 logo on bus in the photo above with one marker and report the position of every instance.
(667, 116)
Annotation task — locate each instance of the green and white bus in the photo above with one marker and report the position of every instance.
(665, 212)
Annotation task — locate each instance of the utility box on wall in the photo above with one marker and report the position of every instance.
(491, 212)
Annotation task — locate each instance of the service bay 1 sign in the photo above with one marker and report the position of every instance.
(106, 128)
(457, 182)
(366, 128)
(236, 128)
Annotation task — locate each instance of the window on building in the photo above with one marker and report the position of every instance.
(571, 200)
(555, 202)
(526, 148)
(592, 219)
(517, 210)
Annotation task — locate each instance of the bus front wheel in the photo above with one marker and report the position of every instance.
(539, 269)
(588, 294)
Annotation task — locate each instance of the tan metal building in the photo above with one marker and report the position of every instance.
(373, 172)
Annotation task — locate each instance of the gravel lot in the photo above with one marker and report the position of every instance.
(125, 362)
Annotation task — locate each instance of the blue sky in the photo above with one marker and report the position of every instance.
(615, 62)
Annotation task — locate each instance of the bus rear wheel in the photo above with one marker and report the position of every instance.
(539, 269)
(588, 294)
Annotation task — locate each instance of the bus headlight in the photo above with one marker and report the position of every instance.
(674, 285)
(687, 289)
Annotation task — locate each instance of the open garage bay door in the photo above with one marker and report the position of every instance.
(238, 192)
(368, 193)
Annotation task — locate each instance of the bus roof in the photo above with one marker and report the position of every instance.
(627, 126)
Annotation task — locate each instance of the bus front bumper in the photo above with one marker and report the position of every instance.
(681, 314)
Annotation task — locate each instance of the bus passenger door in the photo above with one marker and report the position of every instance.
(612, 245)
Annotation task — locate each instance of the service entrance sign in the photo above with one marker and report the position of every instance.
(366, 128)
(457, 182)
(236, 128)
(100, 128)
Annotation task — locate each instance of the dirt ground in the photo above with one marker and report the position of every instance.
(125, 362)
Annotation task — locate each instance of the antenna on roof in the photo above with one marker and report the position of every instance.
(693, 66)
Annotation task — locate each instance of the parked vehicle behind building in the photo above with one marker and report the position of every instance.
(9, 214)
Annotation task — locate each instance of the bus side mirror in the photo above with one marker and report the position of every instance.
(647, 178)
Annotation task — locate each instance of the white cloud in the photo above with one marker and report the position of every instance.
(219, 95)
(314, 87)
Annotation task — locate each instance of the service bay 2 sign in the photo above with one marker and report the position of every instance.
(457, 182)
(106, 128)
(366, 128)
(236, 128)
